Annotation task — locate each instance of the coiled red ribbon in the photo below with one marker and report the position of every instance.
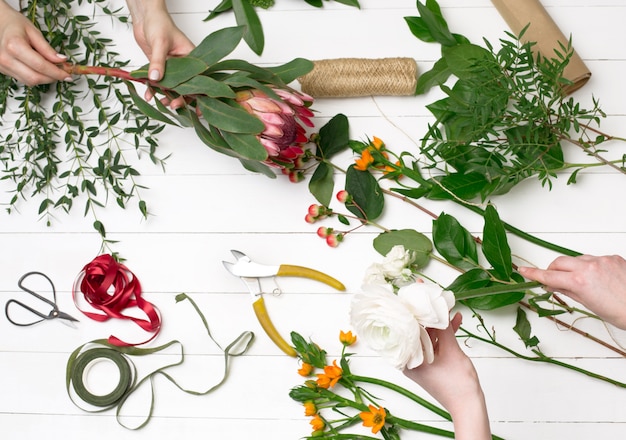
(111, 288)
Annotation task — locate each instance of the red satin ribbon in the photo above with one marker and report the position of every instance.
(110, 287)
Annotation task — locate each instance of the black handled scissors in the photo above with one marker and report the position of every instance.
(52, 314)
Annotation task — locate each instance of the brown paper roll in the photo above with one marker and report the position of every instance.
(349, 77)
(545, 33)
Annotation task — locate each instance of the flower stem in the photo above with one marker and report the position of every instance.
(400, 390)
(77, 69)
(540, 357)
(392, 419)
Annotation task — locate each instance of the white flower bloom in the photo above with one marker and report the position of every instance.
(394, 269)
(429, 303)
(375, 275)
(397, 261)
(395, 325)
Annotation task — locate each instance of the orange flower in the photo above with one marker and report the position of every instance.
(377, 143)
(374, 418)
(317, 423)
(309, 408)
(347, 338)
(330, 376)
(366, 159)
(305, 369)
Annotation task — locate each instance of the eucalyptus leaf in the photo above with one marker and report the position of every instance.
(495, 244)
(410, 239)
(322, 183)
(246, 16)
(229, 118)
(367, 196)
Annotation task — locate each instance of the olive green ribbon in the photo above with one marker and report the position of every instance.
(98, 349)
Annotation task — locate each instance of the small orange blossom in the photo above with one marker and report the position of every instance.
(309, 408)
(363, 162)
(305, 369)
(347, 338)
(317, 423)
(330, 376)
(374, 418)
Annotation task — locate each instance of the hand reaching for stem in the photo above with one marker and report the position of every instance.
(598, 283)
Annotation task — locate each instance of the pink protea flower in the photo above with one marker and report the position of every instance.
(284, 136)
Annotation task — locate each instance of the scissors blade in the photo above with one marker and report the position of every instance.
(65, 316)
(245, 267)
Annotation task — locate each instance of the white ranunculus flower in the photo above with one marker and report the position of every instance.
(429, 303)
(375, 275)
(388, 327)
(395, 325)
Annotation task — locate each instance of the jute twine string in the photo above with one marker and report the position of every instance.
(349, 77)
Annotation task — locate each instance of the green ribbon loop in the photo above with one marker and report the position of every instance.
(81, 358)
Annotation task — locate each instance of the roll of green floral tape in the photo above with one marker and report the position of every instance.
(85, 359)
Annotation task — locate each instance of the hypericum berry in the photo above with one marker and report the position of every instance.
(310, 218)
(333, 239)
(316, 210)
(343, 196)
(324, 232)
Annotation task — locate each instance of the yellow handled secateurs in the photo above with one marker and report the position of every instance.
(251, 273)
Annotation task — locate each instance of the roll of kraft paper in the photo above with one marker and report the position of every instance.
(351, 77)
(545, 33)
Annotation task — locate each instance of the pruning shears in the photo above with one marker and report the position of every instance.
(251, 273)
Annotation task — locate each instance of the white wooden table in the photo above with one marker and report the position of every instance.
(206, 204)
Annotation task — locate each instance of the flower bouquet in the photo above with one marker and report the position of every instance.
(338, 400)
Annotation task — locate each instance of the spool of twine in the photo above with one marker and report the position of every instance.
(349, 77)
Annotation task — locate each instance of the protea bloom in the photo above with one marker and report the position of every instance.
(284, 136)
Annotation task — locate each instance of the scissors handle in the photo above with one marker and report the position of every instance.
(266, 323)
(30, 309)
(287, 270)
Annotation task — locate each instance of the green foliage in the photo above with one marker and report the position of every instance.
(332, 138)
(368, 199)
(454, 242)
(418, 243)
(308, 351)
(51, 145)
(504, 117)
(247, 17)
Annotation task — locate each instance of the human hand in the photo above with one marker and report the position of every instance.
(598, 283)
(158, 37)
(452, 380)
(24, 53)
